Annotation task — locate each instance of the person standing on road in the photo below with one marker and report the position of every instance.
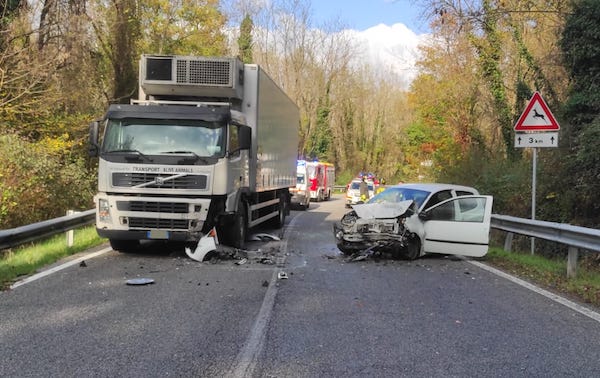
(363, 190)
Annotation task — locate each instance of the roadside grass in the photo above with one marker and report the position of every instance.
(550, 274)
(27, 259)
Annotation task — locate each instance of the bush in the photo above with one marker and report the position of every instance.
(40, 181)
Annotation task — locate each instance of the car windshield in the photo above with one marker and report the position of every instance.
(152, 136)
(399, 195)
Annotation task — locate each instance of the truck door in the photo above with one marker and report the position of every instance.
(458, 226)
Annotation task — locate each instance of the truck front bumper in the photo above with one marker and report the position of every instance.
(138, 218)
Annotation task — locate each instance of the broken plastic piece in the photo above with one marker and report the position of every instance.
(241, 262)
(282, 276)
(263, 237)
(206, 244)
(140, 281)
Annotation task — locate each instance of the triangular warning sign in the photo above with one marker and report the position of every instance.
(537, 116)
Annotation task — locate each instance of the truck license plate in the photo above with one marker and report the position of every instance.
(158, 234)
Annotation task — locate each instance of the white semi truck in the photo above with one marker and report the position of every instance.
(210, 143)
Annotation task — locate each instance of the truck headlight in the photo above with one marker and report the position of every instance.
(103, 210)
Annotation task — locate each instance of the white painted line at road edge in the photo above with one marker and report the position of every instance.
(557, 298)
(246, 360)
(59, 267)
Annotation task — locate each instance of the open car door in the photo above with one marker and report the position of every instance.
(458, 226)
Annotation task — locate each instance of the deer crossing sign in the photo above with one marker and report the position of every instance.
(537, 116)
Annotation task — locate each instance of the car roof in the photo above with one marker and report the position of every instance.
(434, 187)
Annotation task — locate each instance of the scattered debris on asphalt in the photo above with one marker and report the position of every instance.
(82, 264)
(241, 262)
(282, 275)
(362, 255)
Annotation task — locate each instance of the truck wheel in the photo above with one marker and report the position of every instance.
(279, 221)
(124, 246)
(236, 235)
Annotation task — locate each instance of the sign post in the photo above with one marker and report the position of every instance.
(536, 128)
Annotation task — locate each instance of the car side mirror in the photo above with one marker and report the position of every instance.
(425, 215)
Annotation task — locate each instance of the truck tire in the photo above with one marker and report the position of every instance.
(124, 246)
(282, 210)
(238, 230)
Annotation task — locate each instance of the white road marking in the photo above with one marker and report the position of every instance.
(247, 358)
(58, 268)
(557, 298)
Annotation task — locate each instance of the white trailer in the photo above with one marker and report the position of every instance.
(210, 142)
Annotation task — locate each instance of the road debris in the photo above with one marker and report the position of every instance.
(206, 244)
(140, 281)
(264, 237)
(82, 264)
(362, 255)
(282, 276)
(241, 262)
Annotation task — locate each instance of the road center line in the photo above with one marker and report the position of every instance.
(557, 298)
(247, 358)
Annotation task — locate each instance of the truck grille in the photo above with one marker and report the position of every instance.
(158, 181)
(168, 224)
(154, 207)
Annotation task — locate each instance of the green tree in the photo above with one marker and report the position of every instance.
(184, 27)
(245, 42)
(581, 47)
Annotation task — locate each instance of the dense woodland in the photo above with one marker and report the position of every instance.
(63, 61)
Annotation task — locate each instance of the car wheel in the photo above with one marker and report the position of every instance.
(413, 248)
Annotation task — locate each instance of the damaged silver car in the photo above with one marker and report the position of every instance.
(410, 220)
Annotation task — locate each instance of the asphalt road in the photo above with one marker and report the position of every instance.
(434, 317)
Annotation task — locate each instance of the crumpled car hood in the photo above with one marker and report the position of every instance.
(382, 210)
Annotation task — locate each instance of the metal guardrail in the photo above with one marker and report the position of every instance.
(16, 236)
(575, 237)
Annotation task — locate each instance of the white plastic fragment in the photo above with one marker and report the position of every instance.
(206, 244)
(140, 281)
(282, 275)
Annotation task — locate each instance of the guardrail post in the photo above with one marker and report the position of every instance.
(508, 242)
(572, 262)
(70, 233)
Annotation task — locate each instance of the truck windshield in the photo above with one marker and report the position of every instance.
(156, 136)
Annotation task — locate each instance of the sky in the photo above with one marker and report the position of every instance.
(363, 14)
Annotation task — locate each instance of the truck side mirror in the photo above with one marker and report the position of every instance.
(245, 137)
(93, 147)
